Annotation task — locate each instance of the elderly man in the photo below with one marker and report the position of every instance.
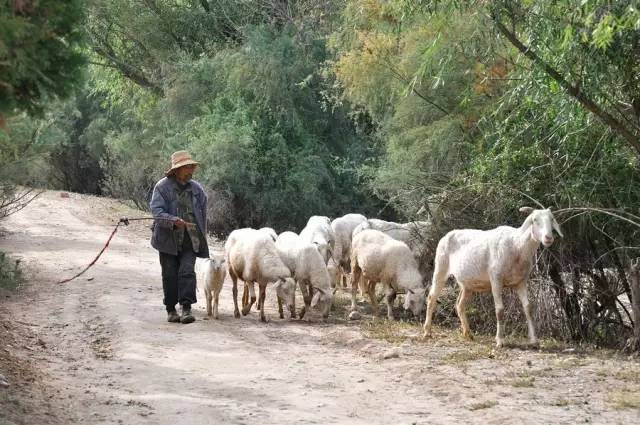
(179, 205)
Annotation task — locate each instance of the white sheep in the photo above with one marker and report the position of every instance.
(210, 273)
(245, 292)
(483, 261)
(378, 257)
(409, 233)
(318, 231)
(309, 271)
(343, 229)
(251, 255)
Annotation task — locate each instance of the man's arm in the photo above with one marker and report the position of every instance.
(159, 210)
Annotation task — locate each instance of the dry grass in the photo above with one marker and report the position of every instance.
(625, 399)
(630, 375)
(482, 405)
(561, 402)
(523, 382)
(393, 331)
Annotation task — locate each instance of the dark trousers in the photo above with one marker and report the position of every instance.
(178, 276)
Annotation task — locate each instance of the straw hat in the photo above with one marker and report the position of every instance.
(180, 159)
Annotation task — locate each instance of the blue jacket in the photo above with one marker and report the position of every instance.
(164, 203)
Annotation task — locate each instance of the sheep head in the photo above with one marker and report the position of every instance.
(415, 301)
(542, 223)
(286, 289)
(322, 302)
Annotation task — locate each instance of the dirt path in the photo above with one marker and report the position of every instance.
(98, 350)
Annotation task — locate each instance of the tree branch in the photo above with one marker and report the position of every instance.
(574, 91)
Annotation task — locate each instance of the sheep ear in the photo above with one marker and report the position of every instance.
(556, 226)
(527, 210)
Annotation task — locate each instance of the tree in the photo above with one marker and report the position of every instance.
(40, 55)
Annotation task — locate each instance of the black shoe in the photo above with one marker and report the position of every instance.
(187, 317)
(172, 317)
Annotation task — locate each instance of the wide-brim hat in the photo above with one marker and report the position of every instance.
(180, 159)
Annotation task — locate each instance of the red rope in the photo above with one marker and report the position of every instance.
(98, 256)
(125, 221)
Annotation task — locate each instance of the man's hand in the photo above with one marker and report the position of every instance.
(180, 223)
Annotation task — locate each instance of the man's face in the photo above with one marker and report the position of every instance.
(185, 172)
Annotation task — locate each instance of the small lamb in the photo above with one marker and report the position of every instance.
(210, 273)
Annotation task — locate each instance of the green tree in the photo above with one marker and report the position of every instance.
(40, 55)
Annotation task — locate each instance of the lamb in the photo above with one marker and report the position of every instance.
(378, 257)
(318, 231)
(251, 255)
(309, 271)
(343, 229)
(483, 261)
(210, 273)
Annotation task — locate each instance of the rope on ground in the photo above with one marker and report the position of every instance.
(125, 221)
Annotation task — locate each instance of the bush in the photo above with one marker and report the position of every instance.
(10, 274)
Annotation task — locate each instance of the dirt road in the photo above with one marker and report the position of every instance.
(98, 350)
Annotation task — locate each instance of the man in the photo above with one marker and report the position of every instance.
(180, 206)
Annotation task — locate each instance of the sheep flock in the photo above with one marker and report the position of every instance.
(328, 255)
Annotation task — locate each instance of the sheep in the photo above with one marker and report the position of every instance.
(210, 273)
(378, 257)
(251, 255)
(409, 233)
(343, 229)
(245, 292)
(318, 231)
(309, 271)
(489, 260)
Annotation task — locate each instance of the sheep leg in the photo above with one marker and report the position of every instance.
(215, 304)
(306, 297)
(252, 291)
(234, 279)
(496, 291)
(521, 290)
(438, 282)
(461, 305)
(207, 294)
(371, 292)
(245, 295)
(390, 297)
(280, 310)
(263, 294)
(356, 275)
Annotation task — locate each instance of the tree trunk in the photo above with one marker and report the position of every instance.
(569, 303)
(633, 343)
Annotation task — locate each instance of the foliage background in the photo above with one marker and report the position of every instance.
(457, 112)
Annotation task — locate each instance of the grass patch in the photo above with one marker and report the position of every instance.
(625, 399)
(10, 274)
(527, 382)
(482, 405)
(628, 375)
(561, 402)
(392, 331)
(462, 356)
